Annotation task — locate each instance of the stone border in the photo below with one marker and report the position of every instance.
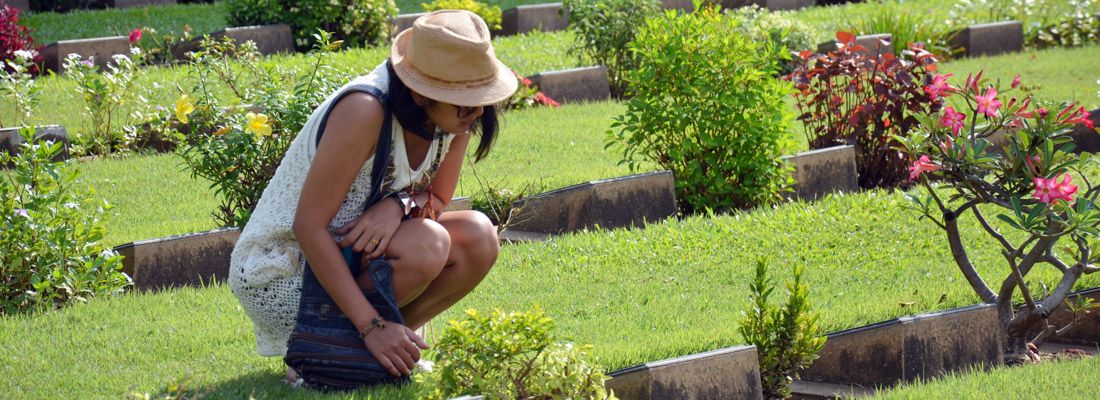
(1087, 332)
(990, 39)
(140, 3)
(191, 259)
(573, 85)
(873, 43)
(100, 49)
(545, 17)
(730, 373)
(404, 21)
(823, 171)
(269, 39)
(909, 348)
(632, 200)
(1087, 140)
(10, 139)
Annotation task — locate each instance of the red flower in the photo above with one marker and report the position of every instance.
(545, 100)
(920, 166)
(135, 35)
(952, 119)
(939, 86)
(1016, 81)
(1081, 116)
(988, 103)
(1047, 190)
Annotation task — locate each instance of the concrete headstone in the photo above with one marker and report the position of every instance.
(881, 43)
(573, 85)
(990, 39)
(613, 203)
(823, 171)
(11, 139)
(547, 17)
(731, 373)
(179, 260)
(99, 50)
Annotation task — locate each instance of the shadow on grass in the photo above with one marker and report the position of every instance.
(267, 385)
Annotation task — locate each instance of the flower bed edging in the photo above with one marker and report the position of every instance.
(576, 84)
(632, 200)
(730, 373)
(822, 171)
(191, 259)
(908, 348)
(10, 139)
(990, 39)
(1087, 330)
(139, 3)
(546, 17)
(99, 49)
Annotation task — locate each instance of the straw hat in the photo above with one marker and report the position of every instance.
(447, 56)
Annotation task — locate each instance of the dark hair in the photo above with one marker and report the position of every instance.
(413, 118)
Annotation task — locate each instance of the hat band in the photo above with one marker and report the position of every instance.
(432, 80)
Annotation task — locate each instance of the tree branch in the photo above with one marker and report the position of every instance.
(993, 232)
(958, 251)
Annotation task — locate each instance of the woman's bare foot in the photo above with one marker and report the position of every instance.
(292, 377)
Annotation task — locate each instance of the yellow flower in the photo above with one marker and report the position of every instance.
(221, 131)
(184, 108)
(257, 124)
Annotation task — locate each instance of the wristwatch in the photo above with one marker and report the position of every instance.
(405, 202)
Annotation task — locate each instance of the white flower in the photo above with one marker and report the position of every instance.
(24, 54)
(135, 51)
(72, 56)
(107, 253)
(71, 205)
(120, 58)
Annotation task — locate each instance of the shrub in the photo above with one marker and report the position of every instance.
(763, 25)
(15, 39)
(18, 86)
(510, 356)
(1026, 183)
(705, 105)
(604, 30)
(491, 14)
(156, 47)
(357, 23)
(50, 251)
(786, 337)
(905, 28)
(237, 145)
(108, 97)
(851, 97)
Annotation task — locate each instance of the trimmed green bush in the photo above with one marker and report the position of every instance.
(358, 23)
(604, 30)
(705, 104)
(491, 14)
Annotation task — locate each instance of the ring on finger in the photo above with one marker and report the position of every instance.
(374, 242)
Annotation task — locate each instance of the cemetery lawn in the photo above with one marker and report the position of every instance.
(49, 27)
(1066, 379)
(674, 288)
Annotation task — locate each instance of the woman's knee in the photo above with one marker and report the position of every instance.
(474, 235)
(420, 246)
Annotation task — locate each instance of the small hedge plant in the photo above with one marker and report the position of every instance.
(604, 30)
(50, 249)
(705, 104)
(358, 23)
(491, 14)
(510, 356)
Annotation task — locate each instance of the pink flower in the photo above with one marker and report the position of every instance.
(1016, 81)
(952, 119)
(1047, 190)
(1081, 116)
(939, 86)
(543, 99)
(920, 166)
(988, 103)
(135, 35)
(22, 212)
(972, 82)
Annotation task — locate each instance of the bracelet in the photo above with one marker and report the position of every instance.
(377, 322)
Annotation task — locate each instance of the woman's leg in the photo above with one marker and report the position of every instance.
(473, 250)
(418, 252)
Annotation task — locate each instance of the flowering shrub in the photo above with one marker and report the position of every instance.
(357, 23)
(705, 105)
(491, 14)
(1027, 183)
(157, 47)
(763, 25)
(851, 97)
(509, 356)
(15, 38)
(50, 249)
(115, 111)
(527, 95)
(237, 145)
(17, 85)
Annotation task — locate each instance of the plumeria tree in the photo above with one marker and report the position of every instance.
(1012, 159)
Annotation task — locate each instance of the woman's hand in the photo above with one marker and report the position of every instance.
(396, 347)
(372, 231)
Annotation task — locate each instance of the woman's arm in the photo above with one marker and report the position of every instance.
(348, 141)
(446, 178)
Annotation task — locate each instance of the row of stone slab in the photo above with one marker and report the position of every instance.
(974, 41)
(25, 5)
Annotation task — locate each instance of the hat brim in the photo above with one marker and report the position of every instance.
(500, 88)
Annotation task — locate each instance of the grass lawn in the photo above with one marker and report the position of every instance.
(671, 289)
(1050, 380)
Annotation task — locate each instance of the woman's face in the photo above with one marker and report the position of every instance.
(452, 118)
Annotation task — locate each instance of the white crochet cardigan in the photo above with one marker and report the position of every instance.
(265, 270)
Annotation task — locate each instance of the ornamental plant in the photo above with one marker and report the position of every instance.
(490, 13)
(704, 104)
(116, 108)
(1045, 206)
(238, 144)
(51, 250)
(18, 86)
(786, 336)
(358, 23)
(604, 30)
(850, 96)
(156, 47)
(15, 38)
(528, 95)
(510, 356)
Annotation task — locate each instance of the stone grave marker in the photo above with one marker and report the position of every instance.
(269, 39)
(822, 171)
(881, 43)
(990, 39)
(547, 17)
(179, 260)
(100, 50)
(573, 85)
(731, 373)
(612, 203)
(11, 139)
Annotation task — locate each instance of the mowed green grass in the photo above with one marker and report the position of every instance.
(1066, 379)
(674, 288)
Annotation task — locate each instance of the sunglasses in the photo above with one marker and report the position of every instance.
(464, 111)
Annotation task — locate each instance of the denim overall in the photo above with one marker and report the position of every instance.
(324, 347)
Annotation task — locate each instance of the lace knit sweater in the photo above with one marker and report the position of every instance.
(266, 265)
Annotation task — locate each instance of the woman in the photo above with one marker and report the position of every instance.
(439, 85)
